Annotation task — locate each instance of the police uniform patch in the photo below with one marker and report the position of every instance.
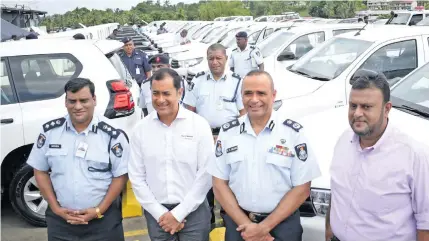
(258, 53)
(292, 124)
(191, 86)
(109, 129)
(117, 149)
(218, 148)
(53, 124)
(41, 141)
(230, 125)
(236, 76)
(200, 74)
(301, 152)
(232, 149)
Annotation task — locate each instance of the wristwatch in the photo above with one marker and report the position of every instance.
(99, 215)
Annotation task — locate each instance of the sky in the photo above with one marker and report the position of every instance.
(62, 6)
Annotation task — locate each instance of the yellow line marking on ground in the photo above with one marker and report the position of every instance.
(142, 232)
(134, 233)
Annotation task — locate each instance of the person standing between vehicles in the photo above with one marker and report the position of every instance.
(216, 96)
(183, 38)
(114, 34)
(80, 168)
(245, 58)
(264, 168)
(136, 61)
(379, 175)
(161, 29)
(170, 151)
(157, 62)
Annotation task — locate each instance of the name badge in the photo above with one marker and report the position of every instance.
(137, 71)
(81, 149)
(56, 146)
(232, 149)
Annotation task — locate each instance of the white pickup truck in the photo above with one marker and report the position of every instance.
(320, 79)
(410, 112)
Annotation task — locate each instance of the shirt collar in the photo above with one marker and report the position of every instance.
(245, 49)
(93, 125)
(182, 114)
(247, 127)
(211, 77)
(384, 137)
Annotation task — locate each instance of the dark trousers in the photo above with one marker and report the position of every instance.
(197, 226)
(108, 228)
(210, 199)
(288, 230)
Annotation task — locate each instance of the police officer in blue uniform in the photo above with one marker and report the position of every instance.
(263, 169)
(80, 167)
(136, 61)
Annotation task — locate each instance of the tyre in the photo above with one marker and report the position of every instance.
(26, 198)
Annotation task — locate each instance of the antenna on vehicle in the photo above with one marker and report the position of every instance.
(358, 33)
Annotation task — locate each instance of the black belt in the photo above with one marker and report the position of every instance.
(215, 131)
(256, 217)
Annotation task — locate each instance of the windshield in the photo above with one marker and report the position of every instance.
(402, 18)
(273, 42)
(332, 59)
(229, 38)
(424, 22)
(229, 33)
(414, 88)
(212, 34)
(201, 31)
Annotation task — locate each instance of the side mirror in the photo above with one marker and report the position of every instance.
(286, 55)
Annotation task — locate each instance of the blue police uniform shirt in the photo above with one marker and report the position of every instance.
(74, 176)
(262, 168)
(137, 64)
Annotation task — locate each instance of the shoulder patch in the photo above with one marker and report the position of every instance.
(109, 129)
(200, 74)
(236, 76)
(230, 125)
(292, 124)
(191, 86)
(53, 124)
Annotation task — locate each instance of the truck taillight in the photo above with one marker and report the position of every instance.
(121, 100)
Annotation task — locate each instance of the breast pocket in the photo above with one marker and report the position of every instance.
(236, 161)
(97, 164)
(203, 99)
(279, 172)
(57, 160)
(186, 152)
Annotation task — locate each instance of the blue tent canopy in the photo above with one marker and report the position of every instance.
(8, 30)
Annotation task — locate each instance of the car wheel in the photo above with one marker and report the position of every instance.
(26, 198)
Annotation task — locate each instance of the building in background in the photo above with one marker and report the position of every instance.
(394, 5)
(21, 16)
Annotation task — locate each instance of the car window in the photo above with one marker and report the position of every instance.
(341, 31)
(400, 18)
(253, 37)
(395, 60)
(302, 45)
(42, 77)
(6, 89)
(267, 32)
(273, 43)
(120, 67)
(415, 88)
(416, 18)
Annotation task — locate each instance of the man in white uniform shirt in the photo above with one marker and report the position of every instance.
(183, 38)
(170, 151)
(245, 57)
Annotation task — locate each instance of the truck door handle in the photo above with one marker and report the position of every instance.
(7, 121)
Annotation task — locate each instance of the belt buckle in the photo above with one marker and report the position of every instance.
(252, 216)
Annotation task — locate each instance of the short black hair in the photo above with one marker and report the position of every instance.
(215, 47)
(162, 73)
(262, 72)
(365, 79)
(76, 84)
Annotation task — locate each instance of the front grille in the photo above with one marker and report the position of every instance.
(306, 209)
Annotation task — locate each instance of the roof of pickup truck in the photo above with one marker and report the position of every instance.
(383, 33)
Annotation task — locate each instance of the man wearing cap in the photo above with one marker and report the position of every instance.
(136, 61)
(245, 58)
(157, 62)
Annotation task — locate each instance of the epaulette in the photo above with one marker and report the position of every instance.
(109, 129)
(53, 124)
(292, 124)
(235, 49)
(252, 47)
(200, 74)
(236, 76)
(230, 125)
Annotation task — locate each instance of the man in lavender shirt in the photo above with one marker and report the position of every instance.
(379, 175)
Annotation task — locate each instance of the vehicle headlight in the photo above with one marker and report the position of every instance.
(190, 62)
(320, 200)
(277, 104)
